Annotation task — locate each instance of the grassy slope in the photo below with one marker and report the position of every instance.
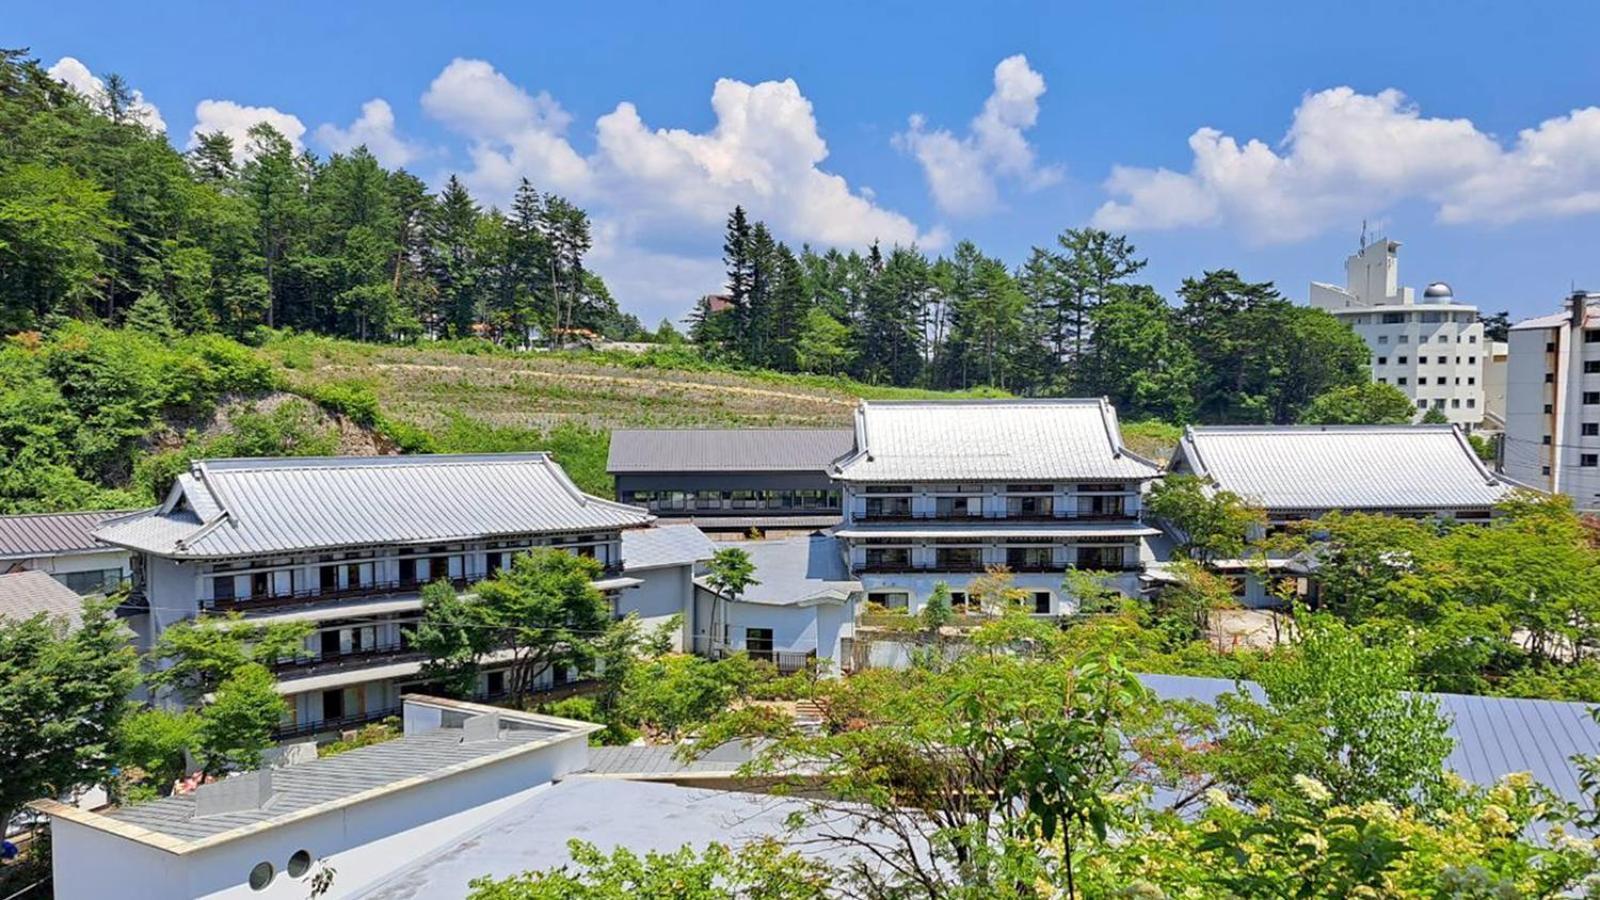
(469, 397)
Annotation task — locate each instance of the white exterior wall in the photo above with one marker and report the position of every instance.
(1427, 331)
(1495, 365)
(364, 842)
(1547, 372)
(666, 591)
(795, 629)
(72, 562)
(1526, 458)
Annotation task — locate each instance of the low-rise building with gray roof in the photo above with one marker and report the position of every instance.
(802, 607)
(732, 480)
(1301, 471)
(359, 815)
(24, 595)
(64, 545)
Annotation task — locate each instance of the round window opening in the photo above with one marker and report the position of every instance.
(261, 876)
(299, 864)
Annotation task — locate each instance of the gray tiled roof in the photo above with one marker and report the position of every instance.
(1494, 736)
(766, 522)
(665, 545)
(300, 787)
(1317, 467)
(727, 449)
(239, 507)
(24, 595)
(52, 534)
(990, 440)
(796, 571)
(659, 760)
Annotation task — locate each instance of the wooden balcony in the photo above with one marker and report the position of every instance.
(346, 660)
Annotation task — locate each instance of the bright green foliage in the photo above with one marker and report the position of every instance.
(155, 741)
(543, 610)
(54, 229)
(937, 612)
(237, 724)
(1314, 847)
(76, 408)
(1261, 357)
(1212, 524)
(1435, 416)
(1370, 403)
(672, 695)
(62, 692)
(823, 347)
(195, 657)
(760, 870)
(1336, 710)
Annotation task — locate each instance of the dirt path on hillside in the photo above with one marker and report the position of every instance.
(609, 379)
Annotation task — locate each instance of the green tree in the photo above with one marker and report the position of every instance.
(937, 612)
(729, 574)
(1211, 524)
(54, 229)
(759, 870)
(1369, 403)
(544, 612)
(236, 725)
(151, 315)
(1435, 416)
(1340, 712)
(194, 657)
(156, 741)
(1141, 363)
(63, 693)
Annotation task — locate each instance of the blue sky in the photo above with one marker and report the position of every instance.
(1467, 131)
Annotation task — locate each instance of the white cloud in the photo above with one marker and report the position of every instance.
(963, 172)
(77, 76)
(236, 120)
(375, 130)
(1348, 155)
(652, 190)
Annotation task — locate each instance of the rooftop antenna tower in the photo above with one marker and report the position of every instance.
(1363, 235)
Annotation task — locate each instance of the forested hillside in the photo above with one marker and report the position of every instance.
(102, 219)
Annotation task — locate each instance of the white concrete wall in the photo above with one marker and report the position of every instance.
(666, 592)
(1526, 458)
(364, 842)
(795, 629)
(73, 562)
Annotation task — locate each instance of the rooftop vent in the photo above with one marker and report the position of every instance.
(481, 728)
(241, 793)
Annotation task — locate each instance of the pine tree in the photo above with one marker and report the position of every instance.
(452, 230)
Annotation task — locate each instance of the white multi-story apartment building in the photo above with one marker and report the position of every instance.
(1434, 350)
(1552, 438)
(347, 544)
(942, 491)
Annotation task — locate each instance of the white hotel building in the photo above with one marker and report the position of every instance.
(346, 544)
(1434, 350)
(1552, 438)
(942, 491)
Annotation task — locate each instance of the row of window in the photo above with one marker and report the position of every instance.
(1423, 339)
(980, 489)
(960, 601)
(1018, 558)
(1455, 403)
(1403, 380)
(1015, 507)
(707, 501)
(1423, 360)
(411, 571)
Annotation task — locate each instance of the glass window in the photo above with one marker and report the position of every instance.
(222, 588)
(1041, 603)
(1028, 558)
(1589, 460)
(95, 581)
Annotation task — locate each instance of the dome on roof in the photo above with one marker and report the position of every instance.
(1438, 291)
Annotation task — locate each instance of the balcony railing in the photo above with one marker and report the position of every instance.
(787, 661)
(370, 590)
(340, 723)
(987, 519)
(312, 663)
(935, 568)
(356, 720)
(311, 596)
